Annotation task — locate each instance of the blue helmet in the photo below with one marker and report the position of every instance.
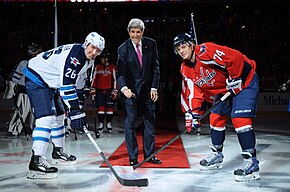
(181, 39)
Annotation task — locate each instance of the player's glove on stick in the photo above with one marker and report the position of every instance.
(78, 119)
(86, 92)
(114, 94)
(191, 121)
(234, 85)
(93, 92)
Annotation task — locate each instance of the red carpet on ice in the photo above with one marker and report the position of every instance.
(173, 156)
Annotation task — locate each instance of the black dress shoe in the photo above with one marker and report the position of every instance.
(155, 160)
(133, 162)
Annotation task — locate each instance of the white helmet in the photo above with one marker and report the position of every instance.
(95, 39)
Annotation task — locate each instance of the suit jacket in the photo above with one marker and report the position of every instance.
(129, 72)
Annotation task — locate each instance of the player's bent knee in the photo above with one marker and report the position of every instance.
(242, 125)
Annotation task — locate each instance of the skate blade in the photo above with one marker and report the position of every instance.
(242, 178)
(41, 175)
(211, 167)
(59, 162)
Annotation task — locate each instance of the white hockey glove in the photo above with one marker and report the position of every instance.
(78, 119)
(234, 85)
(191, 121)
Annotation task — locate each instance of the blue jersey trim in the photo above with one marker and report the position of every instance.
(29, 73)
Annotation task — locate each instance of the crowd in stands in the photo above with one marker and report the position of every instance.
(258, 29)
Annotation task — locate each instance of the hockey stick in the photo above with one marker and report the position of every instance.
(181, 133)
(125, 182)
(193, 28)
(95, 120)
(22, 123)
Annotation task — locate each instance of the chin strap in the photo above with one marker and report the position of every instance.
(189, 63)
(192, 54)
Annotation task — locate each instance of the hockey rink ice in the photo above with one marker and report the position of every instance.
(273, 151)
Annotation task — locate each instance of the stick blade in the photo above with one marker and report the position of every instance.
(138, 165)
(135, 182)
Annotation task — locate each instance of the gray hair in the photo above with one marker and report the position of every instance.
(136, 23)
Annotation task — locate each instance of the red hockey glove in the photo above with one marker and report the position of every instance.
(234, 85)
(114, 94)
(191, 121)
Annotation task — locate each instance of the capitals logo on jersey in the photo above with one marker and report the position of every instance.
(202, 49)
(207, 77)
(74, 61)
(104, 72)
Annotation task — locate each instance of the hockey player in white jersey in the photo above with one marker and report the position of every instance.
(50, 73)
(22, 112)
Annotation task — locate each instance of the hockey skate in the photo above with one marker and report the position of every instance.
(249, 170)
(101, 127)
(62, 159)
(40, 169)
(109, 127)
(212, 161)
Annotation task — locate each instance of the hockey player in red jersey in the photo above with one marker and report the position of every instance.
(188, 102)
(215, 70)
(104, 89)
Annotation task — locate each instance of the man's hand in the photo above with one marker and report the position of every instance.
(191, 121)
(78, 119)
(154, 95)
(234, 85)
(128, 93)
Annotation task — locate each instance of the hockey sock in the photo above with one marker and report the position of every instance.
(41, 134)
(101, 114)
(247, 140)
(58, 132)
(217, 138)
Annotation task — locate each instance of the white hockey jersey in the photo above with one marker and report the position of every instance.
(59, 69)
(17, 74)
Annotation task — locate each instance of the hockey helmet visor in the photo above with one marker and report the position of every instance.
(181, 39)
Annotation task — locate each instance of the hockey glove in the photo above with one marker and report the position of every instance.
(93, 92)
(234, 85)
(191, 121)
(114, 94)
(86, 92)
(78, 119)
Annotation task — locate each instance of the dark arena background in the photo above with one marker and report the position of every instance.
(259, 28)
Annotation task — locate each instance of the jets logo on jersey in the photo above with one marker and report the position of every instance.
(74, 61)
(206, 77)
(202, 50)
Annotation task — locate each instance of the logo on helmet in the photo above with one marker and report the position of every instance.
(95, 39)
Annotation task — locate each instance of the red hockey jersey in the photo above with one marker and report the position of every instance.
(213, 65)
(104, 77)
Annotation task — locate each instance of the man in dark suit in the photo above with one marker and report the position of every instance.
(138, 78)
